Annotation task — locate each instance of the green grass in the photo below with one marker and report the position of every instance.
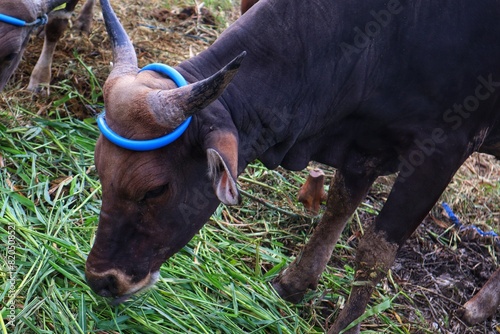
(218, 283)
(50, 197)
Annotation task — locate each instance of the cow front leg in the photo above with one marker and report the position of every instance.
(484, 304)
(84, 20)
(346, 192)
(58, 22)
(374, 257)
(411, 198)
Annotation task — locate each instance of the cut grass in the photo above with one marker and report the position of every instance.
(50, 196)
(219, 283)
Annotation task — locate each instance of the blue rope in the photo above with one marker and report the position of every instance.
(21, 23)
(461, 227)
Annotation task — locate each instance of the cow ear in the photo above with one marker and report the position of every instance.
(222, 155)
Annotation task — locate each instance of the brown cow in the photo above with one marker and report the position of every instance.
(18, 19)
(369, 87)
(13, 38)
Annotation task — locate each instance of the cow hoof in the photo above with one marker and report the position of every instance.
(460, 313)
(40, 90)
(355, 330)
(84, 26)
(287, 292)
(471, 315)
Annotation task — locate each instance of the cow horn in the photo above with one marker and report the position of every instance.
(172, 107)
(124, 57)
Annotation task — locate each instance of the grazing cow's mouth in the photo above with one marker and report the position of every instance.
(140, 287)
(116, 285)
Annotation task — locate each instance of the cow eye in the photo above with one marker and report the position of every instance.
(158, 191)
(10, 57)
(7, 61)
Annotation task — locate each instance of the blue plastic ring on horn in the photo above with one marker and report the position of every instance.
(149, 144)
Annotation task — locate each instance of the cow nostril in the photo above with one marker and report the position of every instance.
(109, 289)
(106, 286)
(104, 293)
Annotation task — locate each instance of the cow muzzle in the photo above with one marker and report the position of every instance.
(115, 284)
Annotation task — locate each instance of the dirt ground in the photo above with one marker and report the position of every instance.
(439, 267)
(441, 272)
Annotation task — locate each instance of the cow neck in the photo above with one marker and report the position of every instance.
(277, 100)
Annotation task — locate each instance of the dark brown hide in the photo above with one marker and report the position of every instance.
(368, 87)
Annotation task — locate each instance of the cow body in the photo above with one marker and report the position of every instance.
(370, 88)
(14, 39)
(325, 92)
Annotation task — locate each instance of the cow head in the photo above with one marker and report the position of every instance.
(154, 201)
(14, 38)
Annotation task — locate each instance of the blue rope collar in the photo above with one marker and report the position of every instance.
(150, 144)
(42, 20)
